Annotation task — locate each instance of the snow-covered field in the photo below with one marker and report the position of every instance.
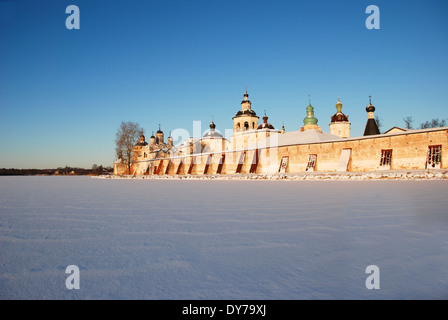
(215, 239)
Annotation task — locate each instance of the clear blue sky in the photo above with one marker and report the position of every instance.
(63, 93)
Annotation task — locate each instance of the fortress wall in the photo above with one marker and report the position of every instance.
(409, 151)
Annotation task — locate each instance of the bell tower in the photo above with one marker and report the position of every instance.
(245, 119)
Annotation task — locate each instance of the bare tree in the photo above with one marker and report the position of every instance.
(126, 138)
(408, 121)
(379, 122)
(434, 123)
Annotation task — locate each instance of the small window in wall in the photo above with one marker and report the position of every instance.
(386, 159)
(238, 127)
(434, 157)
(311, 162)
(253, 125)
(246, 126)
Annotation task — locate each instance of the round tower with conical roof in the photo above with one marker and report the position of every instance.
(371, 125)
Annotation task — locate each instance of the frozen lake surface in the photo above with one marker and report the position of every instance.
(175, 239)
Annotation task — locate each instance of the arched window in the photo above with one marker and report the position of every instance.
(246, 126)
(238, 128)
(253, 125)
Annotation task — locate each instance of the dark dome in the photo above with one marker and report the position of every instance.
(212, 133)
(370, 108)
(265, 126)
(245, 113)
(142, 141)
(339, 117)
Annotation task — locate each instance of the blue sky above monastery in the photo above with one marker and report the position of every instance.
(63, 93)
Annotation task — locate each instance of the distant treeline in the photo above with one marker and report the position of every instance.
(96, 170)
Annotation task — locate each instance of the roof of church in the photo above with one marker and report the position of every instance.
(265, 124)
(296, 137)
(212, 134)
(371, 128)
(396, 129)
(242, 113)
(371, 125)
(339, 117)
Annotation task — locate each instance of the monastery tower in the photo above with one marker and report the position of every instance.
(245, 124)
(339, 125)
(159, 136)
(371, 125)
(246, 118)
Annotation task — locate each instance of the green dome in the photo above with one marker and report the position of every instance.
(310, 118)
(339, 106)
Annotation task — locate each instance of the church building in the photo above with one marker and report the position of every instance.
(259, 148)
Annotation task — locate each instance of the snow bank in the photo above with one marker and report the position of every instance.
(384, 175)
(170, 239)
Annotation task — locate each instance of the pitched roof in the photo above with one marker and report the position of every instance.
(295, 137)
(371, 128)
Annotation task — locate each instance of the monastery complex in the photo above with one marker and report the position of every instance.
(259, 148)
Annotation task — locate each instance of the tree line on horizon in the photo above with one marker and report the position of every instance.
(95, 170)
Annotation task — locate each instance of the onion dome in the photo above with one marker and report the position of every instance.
(142, 141)
(212, 133)
(371, 125)
(310, 118)
(246, 97)
(339, 116)
(370, 107)
(265, 124)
